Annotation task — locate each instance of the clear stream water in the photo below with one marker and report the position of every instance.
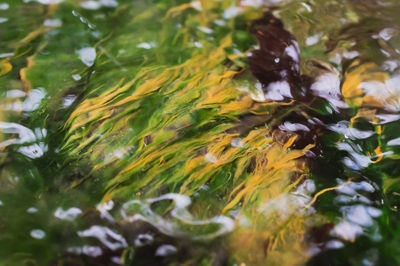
(137, 132)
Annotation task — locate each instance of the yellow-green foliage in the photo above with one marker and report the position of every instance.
(171, 126)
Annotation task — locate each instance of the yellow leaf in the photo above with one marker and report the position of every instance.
(5, 67)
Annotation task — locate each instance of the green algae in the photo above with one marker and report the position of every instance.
(158, 111)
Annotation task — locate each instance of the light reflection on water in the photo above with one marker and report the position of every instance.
(25, 136)
(360, 214)
(180, 213)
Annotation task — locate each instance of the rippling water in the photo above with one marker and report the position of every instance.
(158, 132)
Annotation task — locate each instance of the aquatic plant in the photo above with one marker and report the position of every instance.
(132, 103)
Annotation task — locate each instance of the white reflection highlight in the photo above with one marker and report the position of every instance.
(32, 210)
(237, 143)
(334, 244)
(38, 234)
(25, 135)
(15, 94)
(205, 30)
(52, 23)
(31, 102)
(146, 45)
(105, 235)
(35, 97)
(44, 2)
(347, 231)
(76, 77)
(293, 202)
(143, 239)
(104, 208)
(356, 160)
(165, 250)
(196, 5)
(179, 212)
(327, 86)
(68, 100)
(387, 118)
(87, 55)
(360, 214)
(93, 5)
(68, 215)
(386, 93)
(231, 12)
(92, 251)
(210, 158)
(276, 91)
(314, 39)
(257, 94)
(288, 126)
(4, 55)
(357, 217)
(387, 33)
(4, 6)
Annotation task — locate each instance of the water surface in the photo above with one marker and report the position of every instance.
(198, 133)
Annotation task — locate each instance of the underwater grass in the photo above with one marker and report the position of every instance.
(181, 116)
